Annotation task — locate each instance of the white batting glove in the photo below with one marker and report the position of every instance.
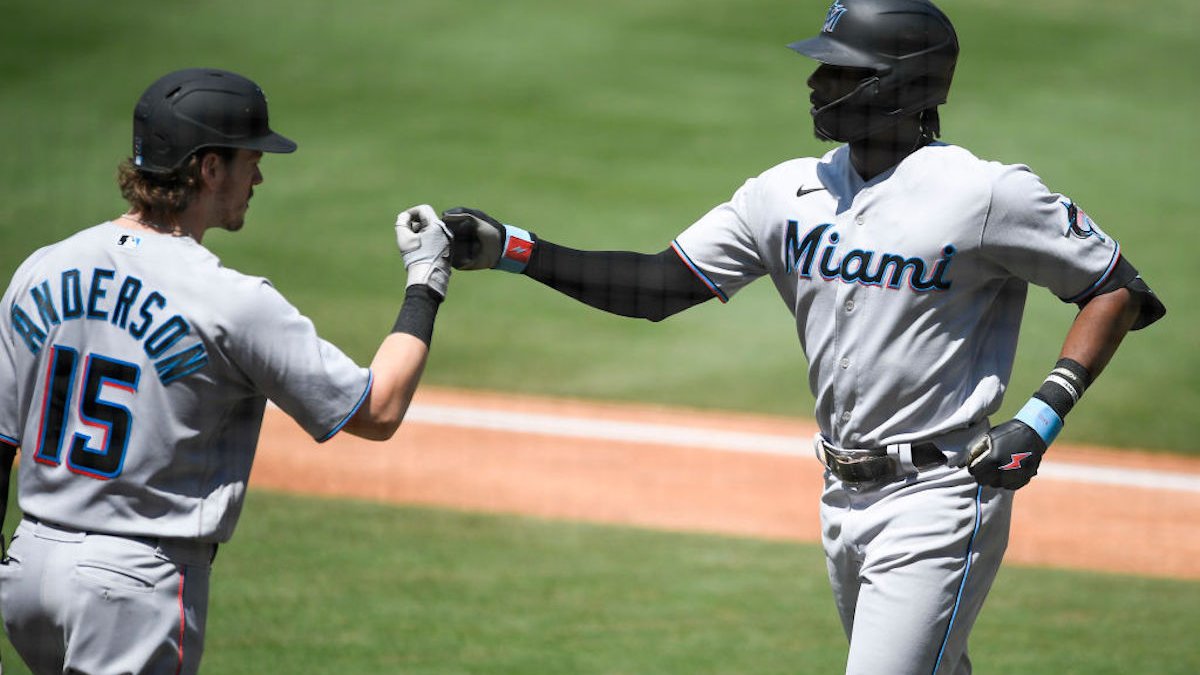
(424, 241)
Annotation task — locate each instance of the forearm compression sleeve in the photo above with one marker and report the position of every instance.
(639, 285)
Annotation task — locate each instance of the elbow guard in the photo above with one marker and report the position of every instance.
(1125, 275)
(1151, 308)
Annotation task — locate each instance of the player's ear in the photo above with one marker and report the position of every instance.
(212, 169)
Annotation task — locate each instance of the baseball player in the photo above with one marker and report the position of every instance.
(137, 369)
(905, 261)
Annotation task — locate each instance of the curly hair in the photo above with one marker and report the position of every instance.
(160, 198)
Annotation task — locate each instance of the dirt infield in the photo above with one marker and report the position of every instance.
(693, 470)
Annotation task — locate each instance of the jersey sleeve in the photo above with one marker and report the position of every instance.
(10, 414)
(279, 350)
(1045, 238)
(720, 248)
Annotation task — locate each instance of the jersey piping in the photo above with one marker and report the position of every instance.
(350, 415)
(1103, 277)
(712, 285)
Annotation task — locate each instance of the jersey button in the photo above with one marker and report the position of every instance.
(860, 219)
(849, 305)
(845, 363)
(846, 416)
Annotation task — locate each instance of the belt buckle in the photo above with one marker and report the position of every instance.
(868, 468)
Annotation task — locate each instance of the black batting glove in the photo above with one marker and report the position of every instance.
(1006, 456)
(477, 238)
(481, 242)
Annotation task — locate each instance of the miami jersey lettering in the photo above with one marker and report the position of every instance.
(859, 266)
(907, 284)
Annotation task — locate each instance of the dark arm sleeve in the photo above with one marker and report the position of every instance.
(639, 285)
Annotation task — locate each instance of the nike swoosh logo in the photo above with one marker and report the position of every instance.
(803, 191)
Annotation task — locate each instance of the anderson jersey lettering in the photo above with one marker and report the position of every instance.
(907, 289)
(136, 374)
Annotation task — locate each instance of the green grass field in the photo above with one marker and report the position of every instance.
(316, 586)
(611, 125)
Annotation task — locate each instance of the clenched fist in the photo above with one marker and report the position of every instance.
(1006, 456)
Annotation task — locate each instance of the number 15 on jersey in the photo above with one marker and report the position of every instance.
(112, 421)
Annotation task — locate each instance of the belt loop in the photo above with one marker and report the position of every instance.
(902, 453)
(819, 448)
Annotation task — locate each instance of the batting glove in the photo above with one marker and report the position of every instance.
(1008, 455)
(424, 241)
(481, 242)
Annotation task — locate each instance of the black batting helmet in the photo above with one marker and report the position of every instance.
(196, 108)
(910, 46)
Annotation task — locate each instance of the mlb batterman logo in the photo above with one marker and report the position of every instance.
(836, 10)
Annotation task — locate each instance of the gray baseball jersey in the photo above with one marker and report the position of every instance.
(908, 289)
(140, 369)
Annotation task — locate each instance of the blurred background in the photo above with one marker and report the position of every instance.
(611, 125)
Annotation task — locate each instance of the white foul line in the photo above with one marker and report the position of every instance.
(735, 441)
(608, 430)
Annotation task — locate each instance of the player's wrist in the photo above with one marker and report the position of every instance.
(1064, 386)
(1060, 391)
(433, 276)
(418, 312)
(515, 249)
(1039, 416)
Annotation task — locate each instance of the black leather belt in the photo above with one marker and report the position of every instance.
(875, 465)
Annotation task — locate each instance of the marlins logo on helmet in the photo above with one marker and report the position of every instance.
(835, 14)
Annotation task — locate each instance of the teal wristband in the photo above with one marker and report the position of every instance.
(1042, 419)
(518, 246)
